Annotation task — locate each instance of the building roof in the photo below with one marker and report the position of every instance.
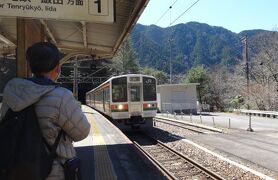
(178, 85)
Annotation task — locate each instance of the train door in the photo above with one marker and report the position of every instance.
(135, 98)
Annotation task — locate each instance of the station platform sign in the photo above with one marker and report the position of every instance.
(101, 11)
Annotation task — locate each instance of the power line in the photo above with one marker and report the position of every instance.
(170, 7)
(184, 12)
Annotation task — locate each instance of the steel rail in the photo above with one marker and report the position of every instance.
(194, 130)
(206, 171)
(202, 168)
(155, 162)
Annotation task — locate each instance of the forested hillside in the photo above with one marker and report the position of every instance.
(190, 44)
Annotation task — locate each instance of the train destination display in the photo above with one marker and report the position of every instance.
(79, 10)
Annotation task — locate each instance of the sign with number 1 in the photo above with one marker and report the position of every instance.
(74, 10)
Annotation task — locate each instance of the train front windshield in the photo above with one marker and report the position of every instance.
(119, 89)
(149, 89)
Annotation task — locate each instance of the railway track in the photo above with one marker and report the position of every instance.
(173, 163)
(188, 126)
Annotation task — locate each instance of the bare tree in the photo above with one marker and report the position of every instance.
(264, 74)
(218, 87)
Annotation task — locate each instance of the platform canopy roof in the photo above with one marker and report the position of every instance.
(101, 39)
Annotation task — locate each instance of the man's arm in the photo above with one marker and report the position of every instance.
(72, 119)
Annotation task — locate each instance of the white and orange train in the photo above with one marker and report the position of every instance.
(130, 100)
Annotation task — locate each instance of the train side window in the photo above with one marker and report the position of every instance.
(119, 89)
(107, 98)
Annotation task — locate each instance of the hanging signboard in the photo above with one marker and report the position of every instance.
(79, 10)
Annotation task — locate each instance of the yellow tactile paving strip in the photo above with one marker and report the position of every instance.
(97, 137)
(103, 165)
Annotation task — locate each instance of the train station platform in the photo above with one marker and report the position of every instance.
(252, 147)
(108, 154)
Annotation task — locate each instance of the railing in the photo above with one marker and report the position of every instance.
(273, 114)
(209, 120)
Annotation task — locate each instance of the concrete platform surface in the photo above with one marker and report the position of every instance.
(107, 154)
(250, 146)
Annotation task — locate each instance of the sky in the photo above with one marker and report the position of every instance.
(235, 15)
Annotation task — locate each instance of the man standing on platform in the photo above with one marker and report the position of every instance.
(55, 106)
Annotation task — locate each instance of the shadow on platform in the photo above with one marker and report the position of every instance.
(119, 161)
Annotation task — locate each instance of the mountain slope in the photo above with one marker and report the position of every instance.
(188, 45)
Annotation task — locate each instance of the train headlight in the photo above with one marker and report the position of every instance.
(120, 107)
(149, 105)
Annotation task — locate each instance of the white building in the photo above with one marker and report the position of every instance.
(177, 98)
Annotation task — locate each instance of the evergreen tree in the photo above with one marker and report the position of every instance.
(125, 61)
(160, 76)
(198, 74)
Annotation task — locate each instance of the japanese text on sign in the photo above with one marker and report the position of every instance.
(79, 10)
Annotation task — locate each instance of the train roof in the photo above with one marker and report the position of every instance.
(125, 75)
(129, 75)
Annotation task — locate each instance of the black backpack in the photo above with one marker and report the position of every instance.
(24, 153)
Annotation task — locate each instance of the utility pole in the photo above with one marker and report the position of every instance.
(247, 67)
(170, 40)
(170, 43)
(247, 78)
